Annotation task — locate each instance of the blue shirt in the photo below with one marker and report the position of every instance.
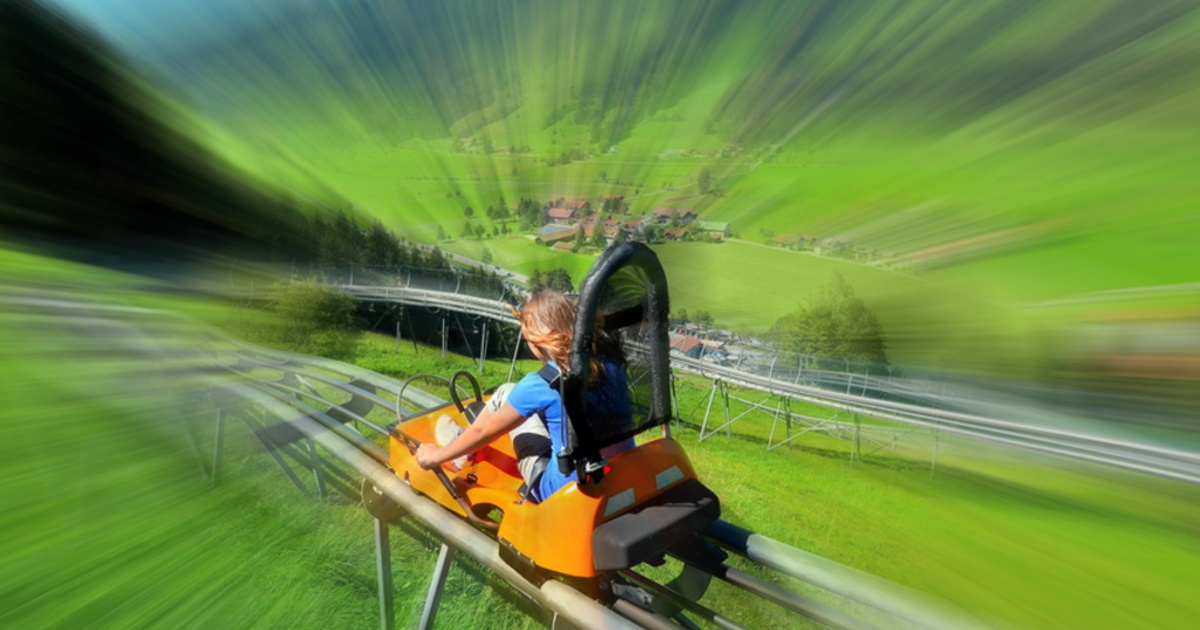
(533, 395)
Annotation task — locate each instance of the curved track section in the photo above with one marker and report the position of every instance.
(1030, 435)
(340, 408)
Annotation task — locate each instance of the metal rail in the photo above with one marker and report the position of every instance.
(484, 307)
(566, 603)
(1122, 453)
(1171, 463)
(300, 408)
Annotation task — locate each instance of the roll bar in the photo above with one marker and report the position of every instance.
(629, 284)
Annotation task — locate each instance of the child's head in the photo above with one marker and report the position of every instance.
(547, 322)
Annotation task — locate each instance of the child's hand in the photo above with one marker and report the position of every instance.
(428, 456)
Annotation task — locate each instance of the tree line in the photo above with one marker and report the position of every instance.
(96, 169)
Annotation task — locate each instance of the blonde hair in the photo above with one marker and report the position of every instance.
(548, 322)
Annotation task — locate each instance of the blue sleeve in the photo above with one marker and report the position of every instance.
(532, 395)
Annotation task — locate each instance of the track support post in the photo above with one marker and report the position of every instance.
(315, 459)
(383, 573)
(440, 570)
(483, 348)
(218, 448)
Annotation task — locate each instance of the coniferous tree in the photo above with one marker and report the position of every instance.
(598, 238)
(557, 279)
(835, 323)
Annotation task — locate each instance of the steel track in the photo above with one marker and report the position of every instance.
(300, 393)
(1129, 454)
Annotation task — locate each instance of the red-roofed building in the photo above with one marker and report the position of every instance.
(561, 216)
(687, 345)
(794, 241)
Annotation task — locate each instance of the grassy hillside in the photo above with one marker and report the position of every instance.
(1021, 540)
(1018, 153)
(109, 521)
(1014, 153)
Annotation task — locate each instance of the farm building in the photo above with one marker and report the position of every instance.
(551, 234)
(561, 216)
(717, 229)
(831, 246)
(687, 345)
(663, 215)
(674, 235)
(794, 241)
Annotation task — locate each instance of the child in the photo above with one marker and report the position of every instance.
(530, 411)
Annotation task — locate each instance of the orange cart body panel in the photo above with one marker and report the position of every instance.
(556, 534)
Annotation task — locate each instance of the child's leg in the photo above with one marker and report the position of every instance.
(531, 440)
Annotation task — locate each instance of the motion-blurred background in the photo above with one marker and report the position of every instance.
(1007, 186)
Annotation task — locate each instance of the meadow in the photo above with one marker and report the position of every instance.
(1019, 540)
(1025, 153)
(107, 508)
(1019, 156)
(1030, 226)
(926, 323)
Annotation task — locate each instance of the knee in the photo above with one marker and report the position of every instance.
(500, 396)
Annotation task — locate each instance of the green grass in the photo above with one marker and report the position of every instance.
(109, 524)
(1059, 212)
(107, 521)
(948, 317)
(524, 255)
(926, 323)
(1029, 541)
(1062, 133)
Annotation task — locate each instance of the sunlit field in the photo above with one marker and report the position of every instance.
(1014, 231)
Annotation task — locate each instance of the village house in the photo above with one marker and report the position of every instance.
(551, 234)
(794, 241)
(687, 346)
(576, 205)
(588, 225)
(663, 215)
(832, 246)
(715, 229)
(561, 216)
(674, 235)
(634, 228)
